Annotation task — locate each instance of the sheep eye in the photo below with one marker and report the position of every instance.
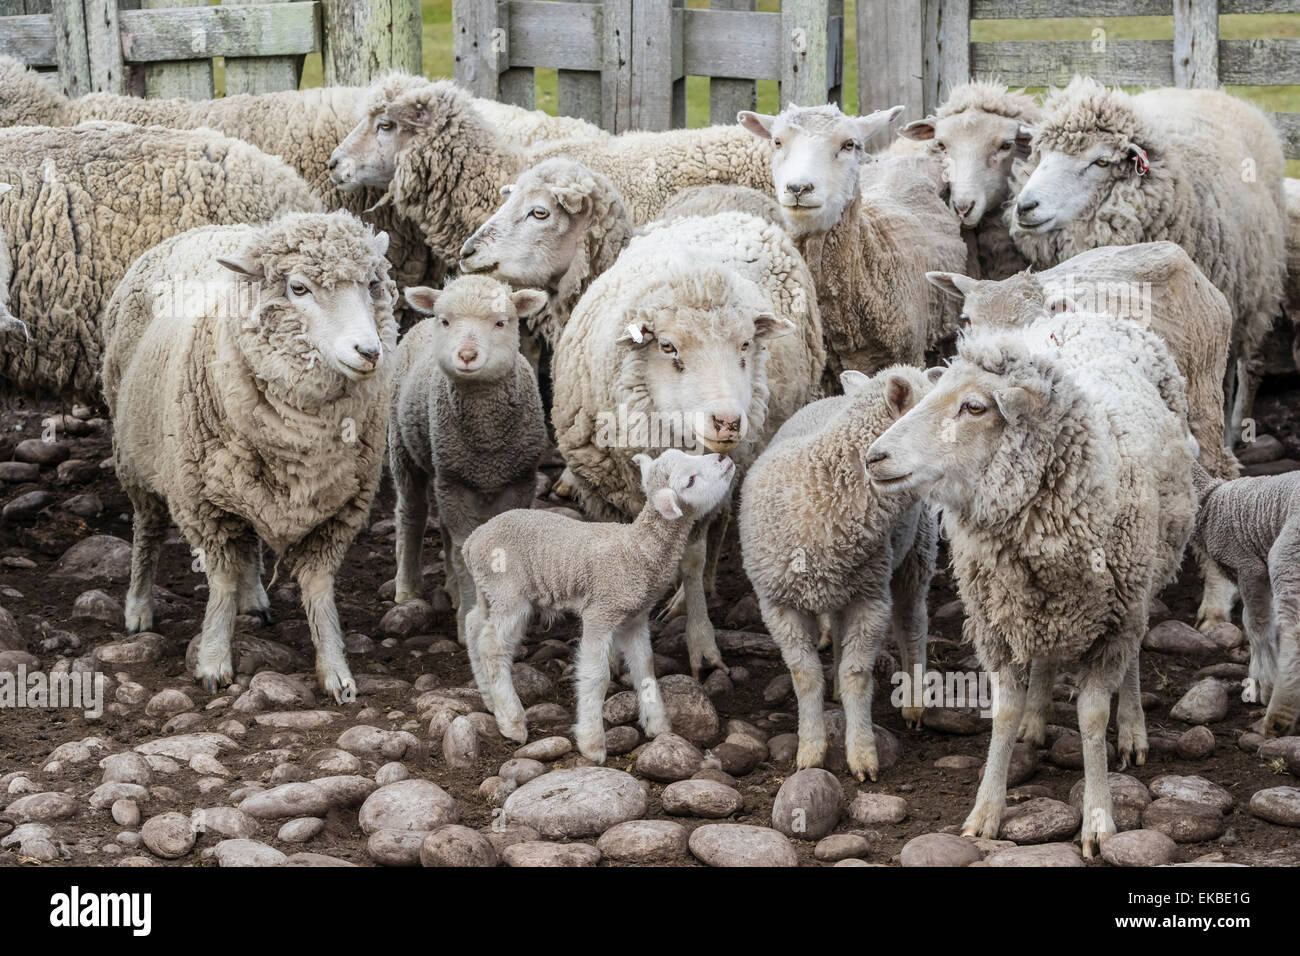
(972, 408)
(849, 145)
(690, 481)
(537, 212)
(667, 348)
(501, 323)
(744, 346)
(446, 324)
(776, 143)
(964, 318)
(941, 147)
(1008, 145)
(1101, 163)
(297, 288)
(385, 125)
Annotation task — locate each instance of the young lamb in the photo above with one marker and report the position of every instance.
(1158, 285)
(1064, 476)
(980, 130)
(611, 574)
(1200, 168)
(87, 201)
(868, 240)
(466, 413)
(256, 410)
(819, 538)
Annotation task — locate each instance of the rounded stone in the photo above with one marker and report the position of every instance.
(396, 847)
(700, 798)
(808, 804)
(1279, 805)
(168, 835)
(644, 841)
(874, 809)
(456, 845)
(1040, 820)
(938, 849)
(539, 853)
(302, 830)
(738, 844)
(577, 803)
(1139, 848)
(1042, 854)
(669, 757)
(1183, 822)
(287, 800)
(841, 846)
(408, 805)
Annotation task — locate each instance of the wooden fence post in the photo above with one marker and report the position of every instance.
(835, 53)
(728, 97)
(889, 58)
(658, 88)
(363, 38)
(803, 58)
(476, 44)
(579, 90)
(104, 47)
(1196, 43)
(945, 59)
(260, 74)
(187, 79)
(616, 66)
(70, 47)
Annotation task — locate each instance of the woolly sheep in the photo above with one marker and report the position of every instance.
(465, 413)
(255, 410)
(707, 200)
(868, 246)
(1158, 285)
(611, 574)
(685, 340)
(28, 98)
(8, 322)
(818, 538)
(980, 130)
(87, 201)
(1197, 167)
(1064, 477)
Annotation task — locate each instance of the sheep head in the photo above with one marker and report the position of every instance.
(476, 325)
(1015, 301)
(680, 485)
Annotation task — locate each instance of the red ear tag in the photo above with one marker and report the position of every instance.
(1141, 164)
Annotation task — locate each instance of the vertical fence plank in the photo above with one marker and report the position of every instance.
(1196, 43)
(727, 97)
(364, 38)
(656, 97)
(835, 53)
(70, 47)
(104, 47)
(616, 66)
(579, 90)
(945, 59)
(889, 57)
(477, 41)
(803, 60)
(187, 79)
(259, 74)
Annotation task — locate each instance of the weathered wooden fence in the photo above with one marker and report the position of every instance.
(162, 48)
(623, 63)
(913, 51)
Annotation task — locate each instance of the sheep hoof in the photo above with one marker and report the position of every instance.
(1207, 618)
(212, 679)
(810, 754)
(513, 730)
(912, 717)
(1249, 690)
(339, 685)
(984, 821)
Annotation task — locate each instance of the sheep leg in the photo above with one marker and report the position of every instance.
(252, 596)
(1098, 815)
(701, 645)
(825, 631)
(592, 682)
(1218, 593)
(1261, 630)
(412, 515)
(862, 625)
(795, 633)
(214, 667)
(148, 528)
(449, 568)
(1033, 725)
(634, 639)
(991, 800)
(498, 634)
(716, 535)
(317, 585)
(464, 584)
(837, 651)
(1284, 576)
(1130, 720)
(475, 622)
(910, 623)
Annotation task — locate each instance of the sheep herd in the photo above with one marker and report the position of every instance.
(713, 326)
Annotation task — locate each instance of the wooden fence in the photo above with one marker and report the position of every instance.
(914, 51)
(623, 63)
(162, 48)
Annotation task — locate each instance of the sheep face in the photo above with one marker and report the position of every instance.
(1015, 301)
(1067, 186)
(368, 155)
(678, 484)
(977, 149)
(476, 325)
(816, 152)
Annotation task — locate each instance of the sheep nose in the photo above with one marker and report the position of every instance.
(1026, 206)
(726, 425)
(468, 249)
(467, 356)
(334, 161)
(964, 210)
(368, 352)
(876, 457)
(798, 189)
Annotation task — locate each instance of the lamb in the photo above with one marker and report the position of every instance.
(87, 201)
(705, 331)
(8, 322)
(980, 130)
(818, 538)
(611, 574)
(868, 245)
(465, 412)
(254, 411)
(1197, 167)
(1158, 285)
(1251, 527)
(1064, 476)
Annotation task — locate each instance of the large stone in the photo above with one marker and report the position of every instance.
(1175, 637)
(874, 809)
(1183, 822)
(577, 803)
(1279, 805)
(808, 804)
(700, 798)
(286, 801)
(241, 853)
(1205, 702)
(644, 841)
(539, 853)
(669, 757)
(408, 805)
(168, 835)
(101, 557)
(41, 808)
(1041, 820)
(396, 847)
(738, 844)
(938, 849)
(1192, 790)
(1139, 848)
(1128, 796)
(456, 845)
(1042, 854)
(692, 714)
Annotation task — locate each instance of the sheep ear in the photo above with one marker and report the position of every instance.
(643, 461)
(852, 381)
(899, 395)
(1018, 401)
(636, 333)
(422, 298)
(1024, 137)
(665, 502)
(919, 130)
(932, 375)
(381, 243)
(571, 200)
(245, 266)
(414, 113)
(873, 123)
(1138, 156)
(528, 302)
(760, 124)
(768, 326)
(953, 283)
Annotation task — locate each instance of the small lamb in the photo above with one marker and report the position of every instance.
(466, 412)
(611, 574)
(1251, 528)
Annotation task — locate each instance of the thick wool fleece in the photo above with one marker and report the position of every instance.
(1199, 143)
(1083, 514)
(808, 497)
(229, 415)
(716, 263)
(25, 98)
(86, 202)
(707, 200)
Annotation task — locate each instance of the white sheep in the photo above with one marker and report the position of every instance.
(1200, 168)
(467, 415)
(818, 538)
(611, 574)
(246, 370)
(8, 321)
(868, 233)
(86, 201)
(1064, 476)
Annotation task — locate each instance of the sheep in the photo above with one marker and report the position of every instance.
(609, 573)
(87, 201)
(1197, 167)
(707, 200)
(868, 246)
(980, 130)
(465, 412)
(27, 98)
(1158, 285)
(524, 127)
(255, 410)
(443, 165)
(8, 322)
(818, 538)
(1061, 459)
(686, 339)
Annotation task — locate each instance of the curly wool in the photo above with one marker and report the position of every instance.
(707, 200)
(229, 415)
(25, 98)
(86, 202)
(1084, 511)
(990, 96)
(1197, 142)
